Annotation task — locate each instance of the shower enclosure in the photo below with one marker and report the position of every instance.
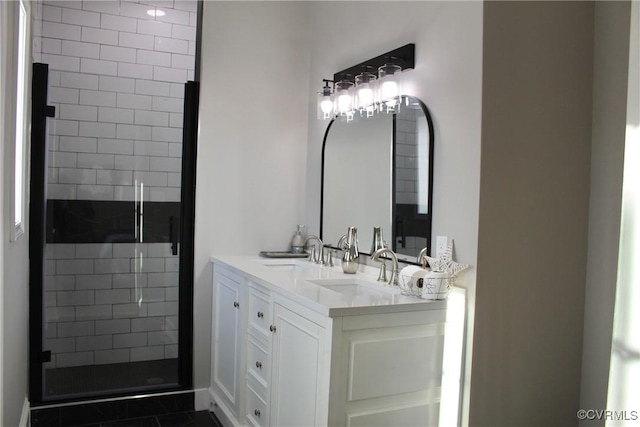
(111, 287)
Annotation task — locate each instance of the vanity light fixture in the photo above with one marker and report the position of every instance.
(367, 93)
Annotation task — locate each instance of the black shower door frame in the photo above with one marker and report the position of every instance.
(37, 242)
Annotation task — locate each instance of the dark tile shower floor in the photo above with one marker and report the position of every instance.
(60, 382)
(184, 419)
(164, 410)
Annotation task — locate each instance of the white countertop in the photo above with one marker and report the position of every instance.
(311, 285)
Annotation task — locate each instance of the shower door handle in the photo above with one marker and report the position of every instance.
(49, 111)
(173, 236)
(45, 356)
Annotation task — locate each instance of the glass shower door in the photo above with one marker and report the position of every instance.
(111, 295)
(113, 194)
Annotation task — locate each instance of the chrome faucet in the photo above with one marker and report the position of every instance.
(393, 280)
(342, 242)
(330, 253)
(422, 258)
(313, 257)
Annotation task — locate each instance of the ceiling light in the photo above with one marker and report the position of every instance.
(155, 12)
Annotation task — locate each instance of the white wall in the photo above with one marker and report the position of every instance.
(447, 77)
(251, 141)
(611, 64)
(14, 279)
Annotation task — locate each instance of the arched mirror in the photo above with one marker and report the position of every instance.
(378, 171)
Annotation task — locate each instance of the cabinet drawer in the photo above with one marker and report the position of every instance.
(256, 409)
(258, 362)
(259, 310)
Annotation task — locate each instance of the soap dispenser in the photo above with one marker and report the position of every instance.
(297, 241)
(351, 255)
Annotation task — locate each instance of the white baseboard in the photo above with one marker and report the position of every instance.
(222, 412)
(24, 416)
(202, 399)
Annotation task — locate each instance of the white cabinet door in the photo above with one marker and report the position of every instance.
(227, 335)
(295, 371)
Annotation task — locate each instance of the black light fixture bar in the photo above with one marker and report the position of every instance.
(403, 56)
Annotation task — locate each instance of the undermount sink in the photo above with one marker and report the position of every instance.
(287, 265)
(352, 287)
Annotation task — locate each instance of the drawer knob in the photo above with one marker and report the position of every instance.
(257, 412)
(272, 328)
(259, 365)
(236, 304)
(260, 315)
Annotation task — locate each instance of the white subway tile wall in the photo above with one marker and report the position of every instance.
(406, 158)
(116, 79)
(110, 303)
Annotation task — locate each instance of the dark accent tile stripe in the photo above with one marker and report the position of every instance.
(98, 221)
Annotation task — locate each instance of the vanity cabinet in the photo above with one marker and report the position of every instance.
(265, 355)
(280, 361)
(285, 344)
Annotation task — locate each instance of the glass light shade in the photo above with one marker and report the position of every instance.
(344, 98)
(388, 90)
(365, 99)
(389, 87)
(325, 103)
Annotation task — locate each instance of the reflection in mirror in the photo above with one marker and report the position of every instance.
(379, 172)
(357, 180)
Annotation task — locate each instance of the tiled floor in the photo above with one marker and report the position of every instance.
(173, 409)
(183, 419)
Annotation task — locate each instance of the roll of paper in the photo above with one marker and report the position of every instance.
(410, 279)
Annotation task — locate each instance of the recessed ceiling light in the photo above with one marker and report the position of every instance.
(155, 12)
